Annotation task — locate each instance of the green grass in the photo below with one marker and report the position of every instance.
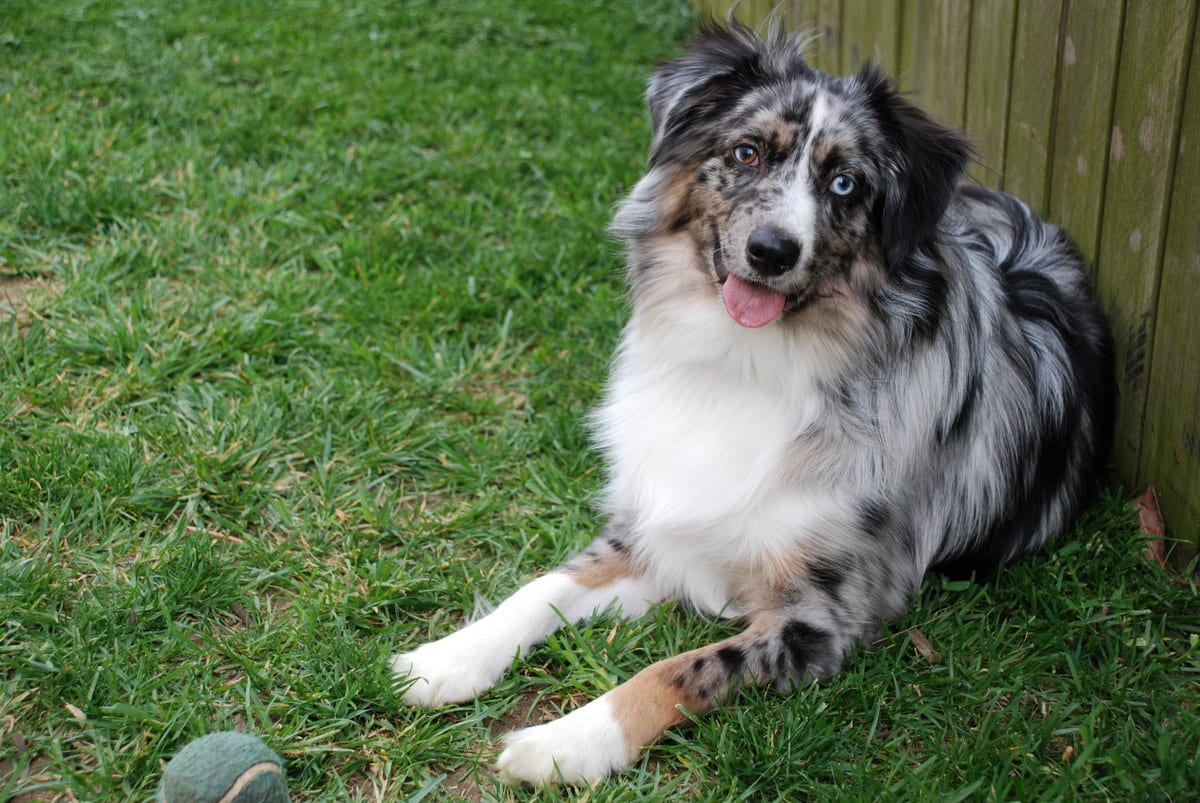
(300, 313)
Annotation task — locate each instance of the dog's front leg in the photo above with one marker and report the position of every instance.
(608, 734)
(465, 663)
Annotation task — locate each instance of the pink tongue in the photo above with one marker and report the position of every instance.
(751, 305)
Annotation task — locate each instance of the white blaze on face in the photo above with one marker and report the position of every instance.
(795, 216)
(797, 211)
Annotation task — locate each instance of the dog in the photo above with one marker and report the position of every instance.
(845, 366)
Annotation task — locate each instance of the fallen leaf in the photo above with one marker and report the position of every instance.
(75, 712)
(1154, 528)
(924, 648)
(1149, 515)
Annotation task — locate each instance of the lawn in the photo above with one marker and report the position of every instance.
(301, 308)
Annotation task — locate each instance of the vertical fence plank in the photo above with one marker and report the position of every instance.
(1031, 112)
(822, 20)
(913, 73)
(831, 13)
(749, 11)
(870, 32)
(935, 40)
(1171, 455)
(1090, 48)
(989, 79)
(1141, 158)
(718, 10)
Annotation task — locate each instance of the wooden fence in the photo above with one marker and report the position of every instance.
(1089, 110)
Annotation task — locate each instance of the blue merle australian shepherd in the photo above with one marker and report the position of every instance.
(845, 366)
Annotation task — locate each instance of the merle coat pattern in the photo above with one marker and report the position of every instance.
(844, 366)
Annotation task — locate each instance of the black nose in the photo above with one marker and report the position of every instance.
(770, 254)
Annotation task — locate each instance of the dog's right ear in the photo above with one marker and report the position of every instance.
(686, 94)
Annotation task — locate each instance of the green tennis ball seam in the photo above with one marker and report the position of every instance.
(251, 775)
(224, 767)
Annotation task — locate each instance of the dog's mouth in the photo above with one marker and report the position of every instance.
(751, 304)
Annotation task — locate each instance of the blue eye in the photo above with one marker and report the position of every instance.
(842, 185)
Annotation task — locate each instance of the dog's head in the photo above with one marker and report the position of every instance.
(786, 177)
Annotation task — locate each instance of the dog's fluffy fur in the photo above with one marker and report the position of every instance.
(844, 367)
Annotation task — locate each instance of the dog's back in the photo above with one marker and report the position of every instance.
(1050, 349)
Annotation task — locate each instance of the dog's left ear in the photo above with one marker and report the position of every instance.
(926, 161)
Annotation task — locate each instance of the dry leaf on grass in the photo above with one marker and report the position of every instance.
(922, 644)
(1154, 528)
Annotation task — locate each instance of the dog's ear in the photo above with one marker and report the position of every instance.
(690, 91)
(925, 162)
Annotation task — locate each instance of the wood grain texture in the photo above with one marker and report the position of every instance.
(989, 84)
(820, 19)
(870, 32)
(1171, 455)
(1028, 142)
(1141, 160)
(1091, 46)
(934, 44)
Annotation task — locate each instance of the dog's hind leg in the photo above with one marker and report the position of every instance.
(465, 663)
(784, 647)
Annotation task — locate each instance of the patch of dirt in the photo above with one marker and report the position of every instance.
(465, 783)
(19, 295)
(526, 711)
(474, 779)
(34, 777)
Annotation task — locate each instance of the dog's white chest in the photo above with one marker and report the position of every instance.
(698, 459)
(689, 448)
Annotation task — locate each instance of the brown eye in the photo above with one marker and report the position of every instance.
(745, 155)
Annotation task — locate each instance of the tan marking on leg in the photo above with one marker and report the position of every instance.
(604, 572)
(648, 704)
(759, 587)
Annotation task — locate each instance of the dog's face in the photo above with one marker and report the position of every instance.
(790, 181)
(783, 201)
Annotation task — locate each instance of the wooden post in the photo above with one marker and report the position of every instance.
(1156, 43)
(1171, 455)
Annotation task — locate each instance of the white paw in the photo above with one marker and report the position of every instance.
(450, 670)
(582, 747)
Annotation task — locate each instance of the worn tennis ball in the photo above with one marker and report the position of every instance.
(226, 767)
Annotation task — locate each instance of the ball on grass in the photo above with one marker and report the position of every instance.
(227, 767)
